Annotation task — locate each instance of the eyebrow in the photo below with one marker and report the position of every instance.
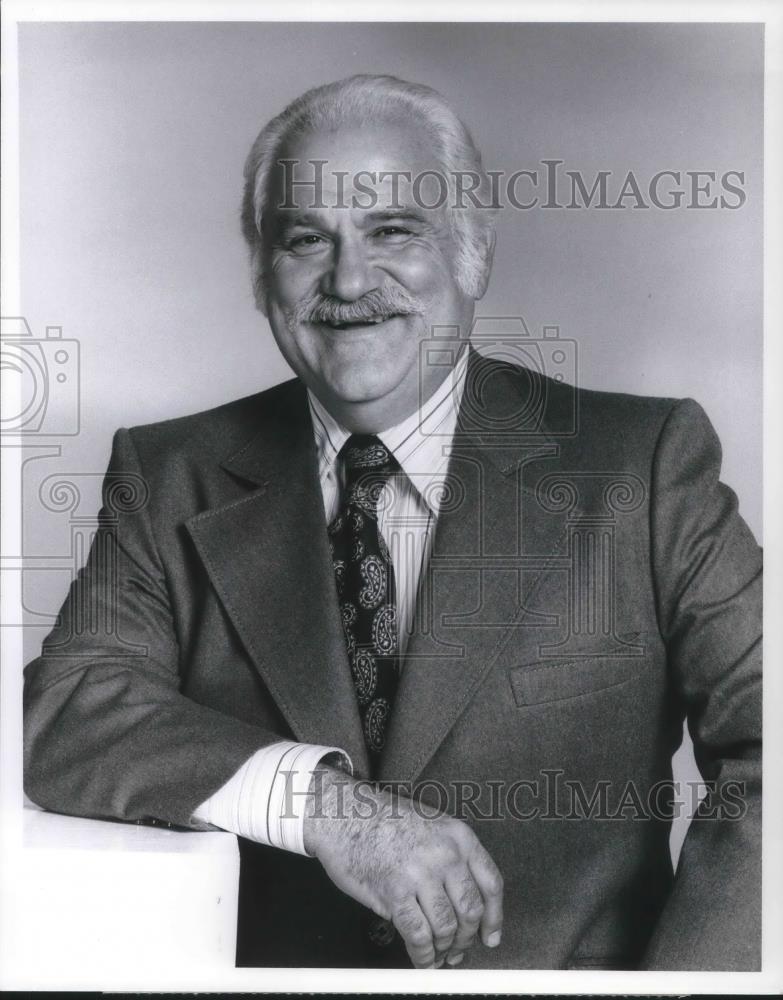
(286, 221)
(395, 215)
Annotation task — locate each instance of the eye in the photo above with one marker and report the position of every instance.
(307, 243)
(392, 234)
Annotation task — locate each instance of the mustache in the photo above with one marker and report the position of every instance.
(379, 302)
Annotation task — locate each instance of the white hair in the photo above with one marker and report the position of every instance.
(361, 99)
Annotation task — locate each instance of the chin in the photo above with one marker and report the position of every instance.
(363, 384)
(360, 390)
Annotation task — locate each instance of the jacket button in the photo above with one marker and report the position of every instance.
(381, 932)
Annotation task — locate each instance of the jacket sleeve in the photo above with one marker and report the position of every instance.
(707, 569)
(107, 732)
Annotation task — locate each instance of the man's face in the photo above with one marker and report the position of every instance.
(352, 291)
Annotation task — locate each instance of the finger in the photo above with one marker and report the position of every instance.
(415, 930)
(468, 903)
(489, 880)
(437, 908)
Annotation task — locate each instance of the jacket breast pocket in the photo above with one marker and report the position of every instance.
(572, 677)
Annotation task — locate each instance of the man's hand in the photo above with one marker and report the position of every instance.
(421, 869)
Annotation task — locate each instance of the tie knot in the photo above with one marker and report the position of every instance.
(367, 455)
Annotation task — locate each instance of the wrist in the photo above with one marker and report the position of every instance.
(324, 806)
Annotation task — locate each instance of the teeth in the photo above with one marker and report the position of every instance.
(372, 321)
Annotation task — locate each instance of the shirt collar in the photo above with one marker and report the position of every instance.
(421, 443)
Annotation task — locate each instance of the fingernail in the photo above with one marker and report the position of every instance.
(455, 959)
(493, 940)
(438, 964)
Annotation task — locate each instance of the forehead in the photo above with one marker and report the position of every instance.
(389, 145)
(376, 161)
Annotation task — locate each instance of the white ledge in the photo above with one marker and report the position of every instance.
(47, 830)
(95, 901)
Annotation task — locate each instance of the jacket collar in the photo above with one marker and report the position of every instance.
(501, 406)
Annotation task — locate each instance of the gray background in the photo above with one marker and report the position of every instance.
(133, 138)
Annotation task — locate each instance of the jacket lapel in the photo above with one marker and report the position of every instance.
(490, 548)
(268, 558)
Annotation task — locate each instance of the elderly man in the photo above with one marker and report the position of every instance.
(421, 626)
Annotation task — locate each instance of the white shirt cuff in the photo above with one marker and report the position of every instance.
(265, 800)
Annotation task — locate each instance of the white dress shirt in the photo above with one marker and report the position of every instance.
(264, 801)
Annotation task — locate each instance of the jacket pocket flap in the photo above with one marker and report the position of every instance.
(555, 680)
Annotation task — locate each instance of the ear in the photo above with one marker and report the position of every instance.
(489, 256)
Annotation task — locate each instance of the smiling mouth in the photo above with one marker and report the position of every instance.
(358, 323)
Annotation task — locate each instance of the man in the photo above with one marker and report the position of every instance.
(429, 568)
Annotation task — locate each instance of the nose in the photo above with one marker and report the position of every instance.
(350, 275)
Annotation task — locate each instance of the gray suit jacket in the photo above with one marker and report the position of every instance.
(591, 585)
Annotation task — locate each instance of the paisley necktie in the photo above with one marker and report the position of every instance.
(365, 585)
